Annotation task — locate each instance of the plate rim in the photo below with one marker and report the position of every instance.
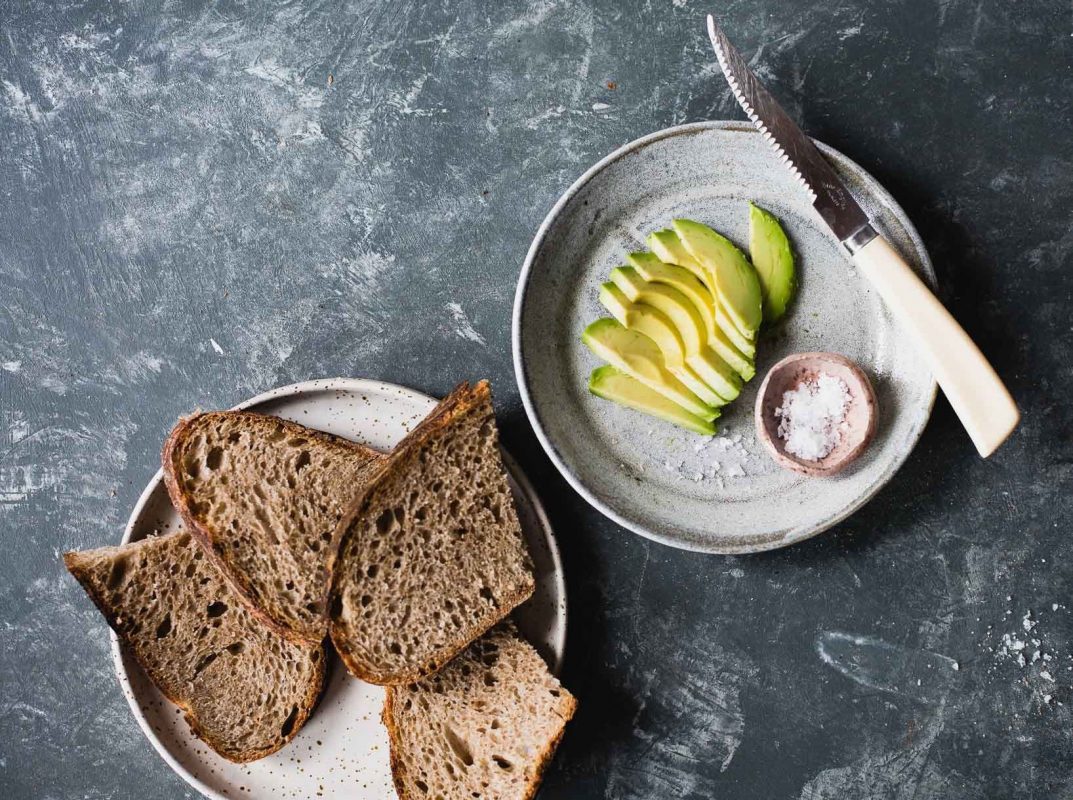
(290, 390)
(874, 188)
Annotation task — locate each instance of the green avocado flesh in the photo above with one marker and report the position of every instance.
(681, 340)
(639, 357)
(733, 277)
(653, 270)
(667, 247)
(687, 321)
(774, 262)
(611, 384)
(654, 324)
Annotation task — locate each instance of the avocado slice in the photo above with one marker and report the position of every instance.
(774, 261)
(618, 387)
(649, 267)
(735, 281)
(687, 320)
(655, 325)
(653, 270)
(668, 247)
(639, 357)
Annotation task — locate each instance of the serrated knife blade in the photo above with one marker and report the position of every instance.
(974, 390)
(829, 195)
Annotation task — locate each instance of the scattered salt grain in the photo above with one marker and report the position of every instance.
(813, 416)
(1027, 622)
(1047, 676)
(1012, 642)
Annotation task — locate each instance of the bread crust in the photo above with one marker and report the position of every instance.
(398, 769)
(75, 563)
(172, 466)
(548, 753)
(461, 399)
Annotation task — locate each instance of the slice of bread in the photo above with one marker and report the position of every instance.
(432, 553)
(485, 726)
(245, 690)
(267, 495)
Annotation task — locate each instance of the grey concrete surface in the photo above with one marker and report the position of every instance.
(200, 200)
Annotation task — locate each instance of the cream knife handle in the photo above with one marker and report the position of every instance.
(976, 393)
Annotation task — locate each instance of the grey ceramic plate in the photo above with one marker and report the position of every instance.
(721, 495)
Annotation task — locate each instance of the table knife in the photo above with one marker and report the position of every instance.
(976, 393)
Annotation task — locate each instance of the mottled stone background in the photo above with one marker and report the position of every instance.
(202, 200)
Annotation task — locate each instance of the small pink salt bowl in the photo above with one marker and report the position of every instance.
(860, 416)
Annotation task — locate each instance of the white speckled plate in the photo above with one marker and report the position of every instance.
(723, 495)
(343, 750)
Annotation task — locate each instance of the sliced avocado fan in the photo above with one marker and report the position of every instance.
(686, 317)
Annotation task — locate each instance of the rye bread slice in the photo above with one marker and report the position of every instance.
(432, 554)
(266, 496)
(244, 689)
(485, 726)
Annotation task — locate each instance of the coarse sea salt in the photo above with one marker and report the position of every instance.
(812, 416)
